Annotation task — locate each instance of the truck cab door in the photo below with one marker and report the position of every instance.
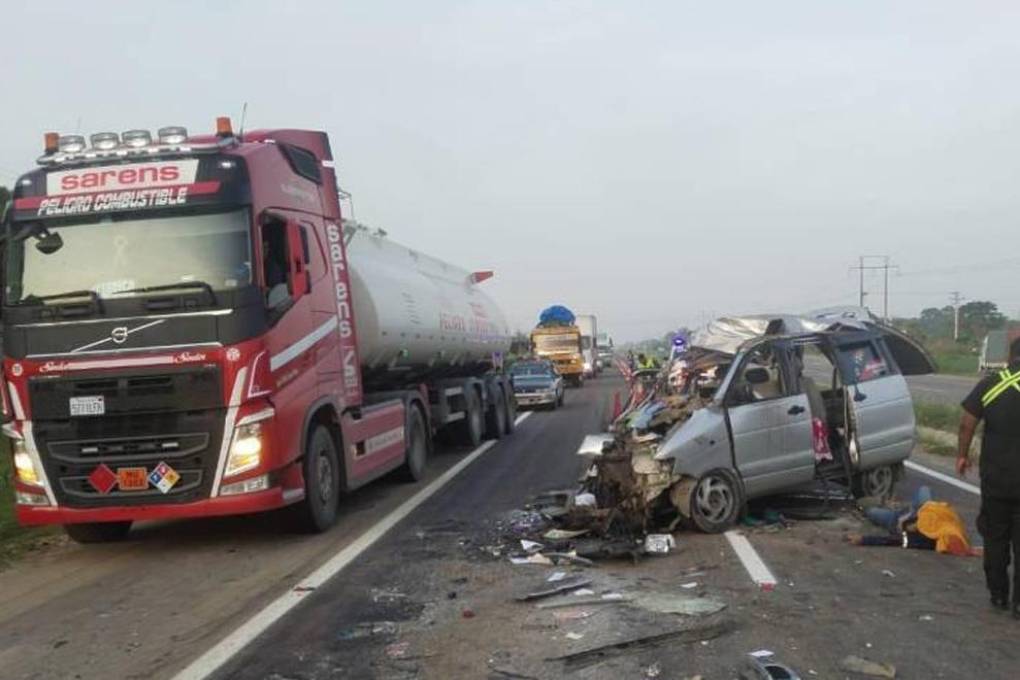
(770, 423)
(879, 407)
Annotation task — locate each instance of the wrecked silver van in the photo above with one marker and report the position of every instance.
(768, 404)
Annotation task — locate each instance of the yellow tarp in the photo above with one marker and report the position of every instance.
(938, 521)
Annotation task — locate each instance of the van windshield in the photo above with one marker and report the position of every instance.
(120, 255)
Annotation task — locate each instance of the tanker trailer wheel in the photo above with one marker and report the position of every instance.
(511, 410)
(470, 429)
(321, 469)
(98, 532)
(417, 446)
(495, 418)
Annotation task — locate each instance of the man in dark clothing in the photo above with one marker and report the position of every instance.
(996, 400)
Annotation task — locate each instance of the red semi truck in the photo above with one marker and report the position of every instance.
(191, 329)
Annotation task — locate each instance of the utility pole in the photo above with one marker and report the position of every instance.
(860, 266)
(956, 299)
(884, 267)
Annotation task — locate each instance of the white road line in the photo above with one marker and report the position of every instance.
(751, 560)
(942, 477)
(225, 649)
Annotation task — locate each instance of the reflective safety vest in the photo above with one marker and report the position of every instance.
(1006, 380)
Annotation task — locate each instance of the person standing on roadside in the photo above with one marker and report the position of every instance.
(996, 401)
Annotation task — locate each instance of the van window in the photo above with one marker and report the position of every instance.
(863, 362)
(811, 364)
(758, 379)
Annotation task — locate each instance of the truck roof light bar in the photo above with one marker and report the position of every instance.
(136, 139)
(105, 141)
(170, 140)
(71, 143)
(172, 134)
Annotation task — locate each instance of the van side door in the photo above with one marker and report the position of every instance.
(770, 423)
(878, 400)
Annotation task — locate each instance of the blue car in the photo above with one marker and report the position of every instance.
(537, 383)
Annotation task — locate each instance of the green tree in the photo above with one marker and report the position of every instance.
(937, 323)
(979, 317)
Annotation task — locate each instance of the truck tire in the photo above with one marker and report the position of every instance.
(417, 446)
(511, 410)
(471, 428)
(716, 501)
(321, 470)
(98, 532)
(495, 418)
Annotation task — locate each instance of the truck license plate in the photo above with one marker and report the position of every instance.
(132, 479)
(88, 406)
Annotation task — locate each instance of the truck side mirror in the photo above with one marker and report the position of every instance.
(297, 273)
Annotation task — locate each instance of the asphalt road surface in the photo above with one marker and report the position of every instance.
(943, 389)
(434, 598)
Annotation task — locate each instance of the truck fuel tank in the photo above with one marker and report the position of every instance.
(411, 309)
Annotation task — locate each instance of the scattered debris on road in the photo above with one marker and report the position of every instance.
(761, 665)
(561, 587)
(855, 664)
(696, 632)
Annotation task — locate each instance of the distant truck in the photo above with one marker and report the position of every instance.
(604, 350)
(995, 349)
(191, 330)
(560, 344)
(588, 325)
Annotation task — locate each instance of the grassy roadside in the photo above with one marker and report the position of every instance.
(937, 416)
(957, 363)
(15, 540)
(938, 424)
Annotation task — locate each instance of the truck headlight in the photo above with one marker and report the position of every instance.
(23, 465)
(246, 447)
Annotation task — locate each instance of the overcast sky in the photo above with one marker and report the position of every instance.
(650, 162)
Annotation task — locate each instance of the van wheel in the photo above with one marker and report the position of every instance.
(716, 501)
(511, 411)
(471, 427)
(877, 483)
(417, 447)
(495, 418)
(98, 532)
(321, 469)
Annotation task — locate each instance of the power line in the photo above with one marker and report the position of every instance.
(957, 269)
(884, 268)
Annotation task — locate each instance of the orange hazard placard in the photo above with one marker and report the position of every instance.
(132, 479)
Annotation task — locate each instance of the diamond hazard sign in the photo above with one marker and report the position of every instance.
(163, 477)
(102, 479)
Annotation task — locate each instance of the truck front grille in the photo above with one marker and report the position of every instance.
(151, 418)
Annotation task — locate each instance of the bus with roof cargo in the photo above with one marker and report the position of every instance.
(191, 329)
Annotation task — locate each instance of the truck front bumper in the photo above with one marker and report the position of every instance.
(240, 504)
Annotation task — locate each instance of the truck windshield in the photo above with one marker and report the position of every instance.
(121, 255)
(557, 343)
